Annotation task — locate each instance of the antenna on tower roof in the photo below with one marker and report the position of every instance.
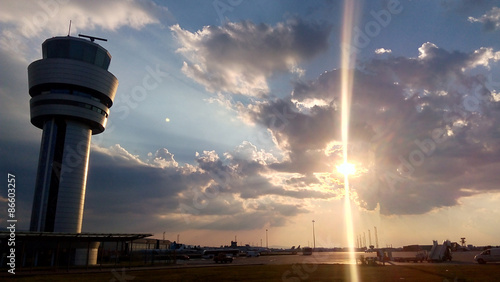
(92, 38)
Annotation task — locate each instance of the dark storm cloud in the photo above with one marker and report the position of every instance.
(305, 134)
(420, 126)
(293, 129)
(146, 187)
(435, 135)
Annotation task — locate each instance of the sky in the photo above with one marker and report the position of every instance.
(227, 119)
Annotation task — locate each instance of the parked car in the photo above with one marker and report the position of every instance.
(253, 254)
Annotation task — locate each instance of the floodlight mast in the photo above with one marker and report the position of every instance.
(92, 38)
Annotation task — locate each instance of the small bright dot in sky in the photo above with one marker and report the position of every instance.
(346, 168)
(167, 120)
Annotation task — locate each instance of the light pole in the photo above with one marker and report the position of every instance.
(314, 237)
(267, 245)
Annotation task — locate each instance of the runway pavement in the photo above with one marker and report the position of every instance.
(320, 258)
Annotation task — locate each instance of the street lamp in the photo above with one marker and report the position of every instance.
(267, 246)
(314, 237)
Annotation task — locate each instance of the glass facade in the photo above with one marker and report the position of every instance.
(48, 176)
(76, 49)
(72, 103)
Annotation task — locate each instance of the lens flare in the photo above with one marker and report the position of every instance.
(348, 57)
(346, 169)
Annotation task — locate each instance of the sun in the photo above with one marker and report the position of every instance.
(346, 168)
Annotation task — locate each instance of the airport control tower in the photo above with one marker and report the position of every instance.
(72, 91)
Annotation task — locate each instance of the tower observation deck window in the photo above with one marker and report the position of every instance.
(71, 103)
(76, 49)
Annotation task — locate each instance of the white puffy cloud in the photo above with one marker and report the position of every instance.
(118, 152)
(23, 21)
(249, 152)
(238, 58)
(163, 158)
(382, 51)
(30, 18)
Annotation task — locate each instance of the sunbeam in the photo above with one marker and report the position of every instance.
(348, 56)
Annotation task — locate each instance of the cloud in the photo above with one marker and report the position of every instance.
(25, 23)
(213, 194)
(417, 126)
(47, 15)
(382, 51)
(238, 58)
(490, 20)
(163, 158)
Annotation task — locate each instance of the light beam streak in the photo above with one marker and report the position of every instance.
(346, 91)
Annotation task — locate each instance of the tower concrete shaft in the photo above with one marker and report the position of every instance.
(72, 91)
